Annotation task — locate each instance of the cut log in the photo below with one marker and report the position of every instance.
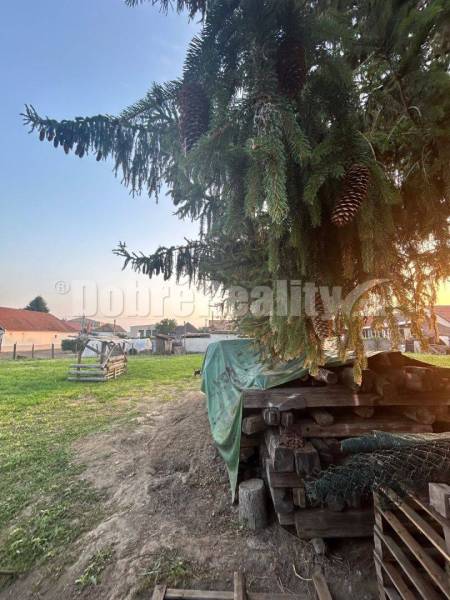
(253, 424)
(282, 457)
(307, 460)
(326, 376)
(347, 377)
(420, 414)
(365, 412)
(287, 419)
(271, 417)
(311, 523)
(384, 387)
(321, 416)
(320, 546)
(252, 504)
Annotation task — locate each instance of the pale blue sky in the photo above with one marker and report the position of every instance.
(61, 216)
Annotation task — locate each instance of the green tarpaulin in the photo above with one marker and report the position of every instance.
(230, 367)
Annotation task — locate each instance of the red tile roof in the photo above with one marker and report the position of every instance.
(16, 319)
(109, 328)
(443, 311)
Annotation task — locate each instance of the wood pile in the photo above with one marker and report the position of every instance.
(292, 432)
(112, 362)
(412, 544)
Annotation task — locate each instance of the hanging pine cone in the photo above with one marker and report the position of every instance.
(291, 67)
(42, 135)
(194, 113)
(322, 326)
(354, 191)
(50, 135)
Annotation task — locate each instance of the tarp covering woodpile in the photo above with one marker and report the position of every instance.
(230, 367)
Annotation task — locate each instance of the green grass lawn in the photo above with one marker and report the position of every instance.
(434, 359)
(43, 503)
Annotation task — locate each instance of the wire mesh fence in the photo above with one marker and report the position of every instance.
(397, 461)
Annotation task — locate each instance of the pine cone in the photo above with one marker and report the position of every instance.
(354, 191)
(322, 326)
(42, 135)
(194, 114)
(50, 135)
(80, 150)
(66, 148)
(291, 67)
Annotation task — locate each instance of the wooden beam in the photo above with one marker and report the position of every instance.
(321, 586)
(239, 586)
(309, 429)
(335, 395)
(159, 593)
(320, 522)
(174, 594)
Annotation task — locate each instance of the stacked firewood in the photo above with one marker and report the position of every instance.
(293, 432)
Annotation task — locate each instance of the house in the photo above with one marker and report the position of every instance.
(378, 338)
(83, 324)
(182, 330)
(109, 329)
(142, 331)
(199, 342)
(27, 327)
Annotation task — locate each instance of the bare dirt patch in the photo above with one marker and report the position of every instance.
(169, 517)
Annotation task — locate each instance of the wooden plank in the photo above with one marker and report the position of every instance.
(83, 366)
(422, 586)
(321, 586)
(320, 522)
(239, 592)
(431, 567)
(308, 428)
(159, 593)
(307, 460)
(335, 395)
(419, 522)
(396, 578)
(174, 594)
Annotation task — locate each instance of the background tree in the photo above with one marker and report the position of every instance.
(38, 304)
(311, 141)
(166, 326)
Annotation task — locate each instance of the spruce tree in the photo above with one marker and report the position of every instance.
(38, 304)
(311, 141)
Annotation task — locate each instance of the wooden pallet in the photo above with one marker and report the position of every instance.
(161, 592)
(412, 545)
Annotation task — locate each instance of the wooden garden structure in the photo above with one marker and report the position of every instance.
(111, 360)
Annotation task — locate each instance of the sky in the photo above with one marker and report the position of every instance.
(61, 216)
